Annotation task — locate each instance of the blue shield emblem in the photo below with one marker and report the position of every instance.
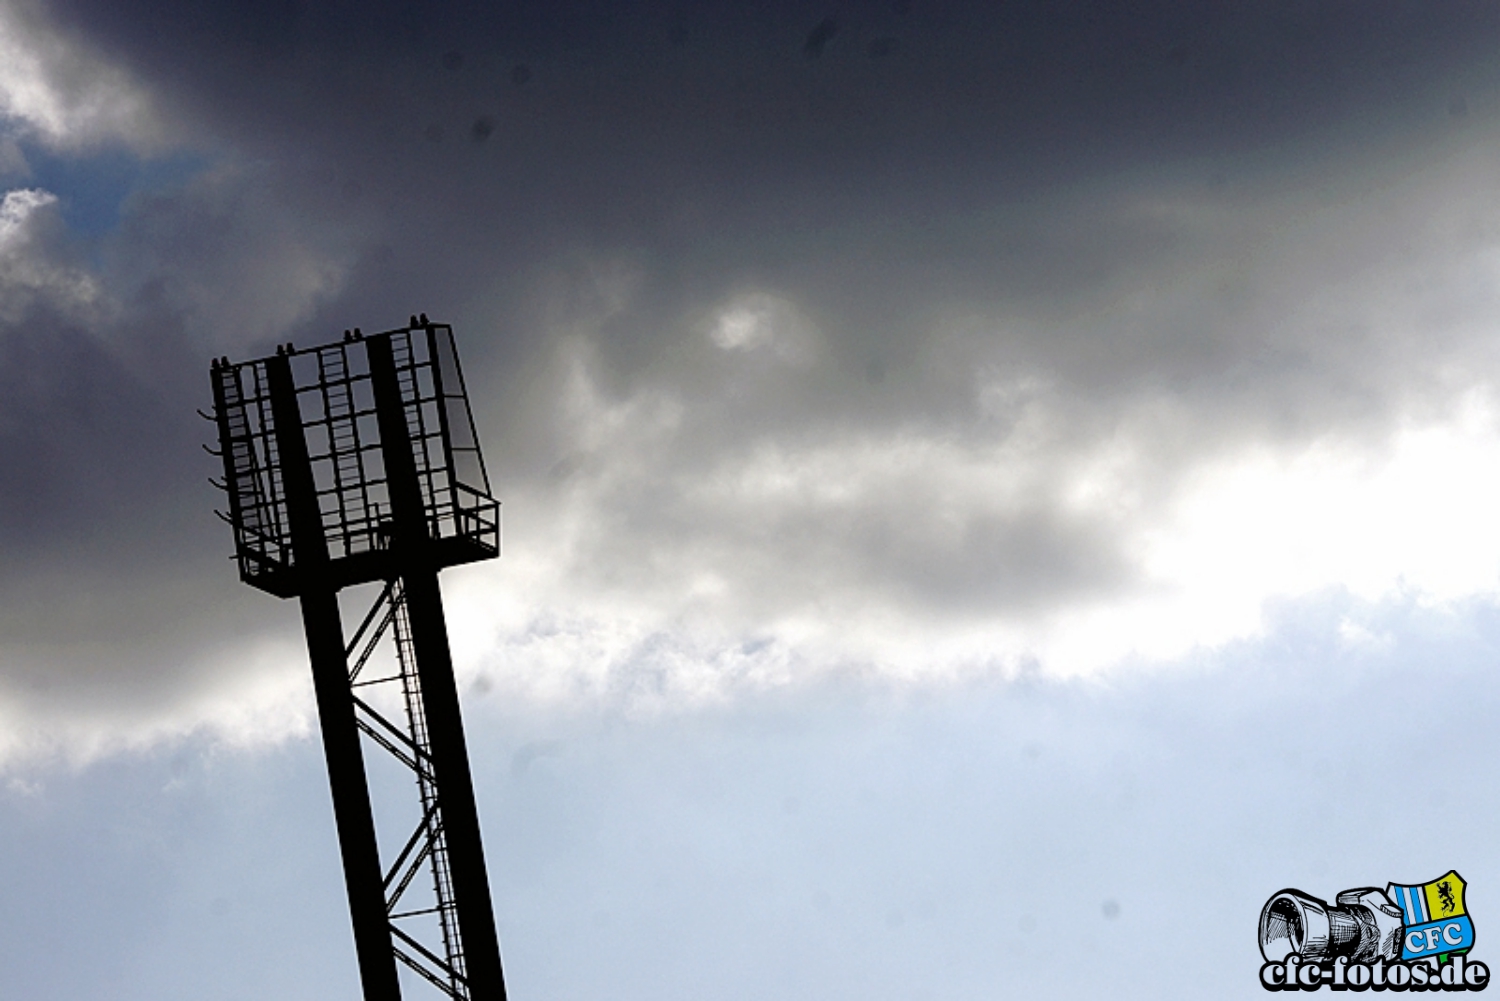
(1436, 920)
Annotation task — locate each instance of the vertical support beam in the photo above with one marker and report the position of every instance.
(325, 646)
(445, 732)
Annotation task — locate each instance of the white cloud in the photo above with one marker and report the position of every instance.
(17, 206)
(245, 698)
(760, 320)
(29, 267)
(1416, 516)
(62, 91)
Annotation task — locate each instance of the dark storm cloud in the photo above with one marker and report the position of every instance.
(1081, 71)
(700, 276)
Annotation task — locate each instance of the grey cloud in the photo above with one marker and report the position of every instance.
(1205, 329)
(117, 601)
(1180, 230)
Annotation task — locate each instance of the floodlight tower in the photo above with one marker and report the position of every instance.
(357, 462)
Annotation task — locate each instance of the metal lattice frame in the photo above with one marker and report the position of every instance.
(337, 407)
(426, 847)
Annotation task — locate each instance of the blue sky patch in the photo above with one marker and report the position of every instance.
(92, 189)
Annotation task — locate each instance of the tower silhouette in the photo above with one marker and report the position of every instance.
(358, 463)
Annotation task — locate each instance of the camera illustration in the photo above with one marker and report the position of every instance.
(1362, 925)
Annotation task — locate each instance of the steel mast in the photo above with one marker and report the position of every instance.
(354, 463)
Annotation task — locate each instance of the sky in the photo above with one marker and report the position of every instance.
(992, 492)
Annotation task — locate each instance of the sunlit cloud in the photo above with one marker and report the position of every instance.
(918, 557)
(1415, 517)
(29, 270)
(255, 696)
(760, 320)
(64, 93)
